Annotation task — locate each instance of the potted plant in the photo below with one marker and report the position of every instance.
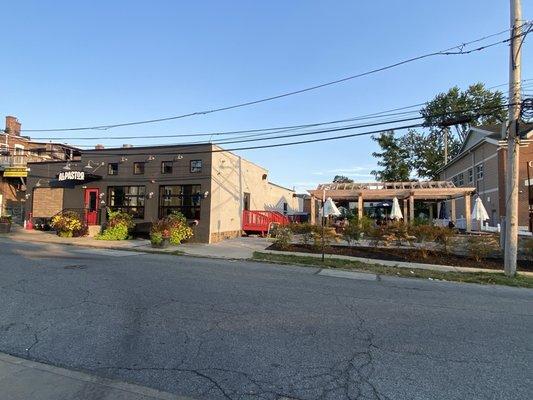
(5, 224)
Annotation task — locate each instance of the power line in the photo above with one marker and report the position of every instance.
(455, 50)
(127, 151)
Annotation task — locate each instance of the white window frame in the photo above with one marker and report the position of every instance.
(17, 155)
(479, 171)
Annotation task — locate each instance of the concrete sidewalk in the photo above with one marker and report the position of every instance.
(21, 379)
(237, 248)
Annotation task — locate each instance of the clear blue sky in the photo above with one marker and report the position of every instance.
(70, 63)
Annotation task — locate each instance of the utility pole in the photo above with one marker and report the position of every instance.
(511, 195)
(445, 145)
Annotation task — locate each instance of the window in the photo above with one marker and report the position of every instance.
(479, 171)
(138, 168)
(470, 175)
(4, 154)
(461, 179)
(129, 199)
(112, 169)
(18, 158)
(166, 167)
(183, 198)
(196, 166)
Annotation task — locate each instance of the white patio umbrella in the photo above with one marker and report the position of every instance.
(396, 212)
(329, 209)
(479, 213)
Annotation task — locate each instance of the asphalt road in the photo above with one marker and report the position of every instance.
(215, 329)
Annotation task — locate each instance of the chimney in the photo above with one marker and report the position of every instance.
(12, 125)
(99, 147)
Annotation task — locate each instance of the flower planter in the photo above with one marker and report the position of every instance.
(5, 227)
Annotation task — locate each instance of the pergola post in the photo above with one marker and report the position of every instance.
(439, 206)
(411, 208)
(312, 210)
(405, 211)
(430, 212)
(452, 210)
(360, 207)
(467, 213)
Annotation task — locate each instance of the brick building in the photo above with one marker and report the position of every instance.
(15, 152)
(481, 163)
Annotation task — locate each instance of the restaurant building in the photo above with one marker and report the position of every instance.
(208, 185)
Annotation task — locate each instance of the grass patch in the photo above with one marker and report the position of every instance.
(485, 278)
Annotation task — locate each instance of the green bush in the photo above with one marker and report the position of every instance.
(118, 226)
(307, 230)
(352, 232)
(283, 238)
(480, 247)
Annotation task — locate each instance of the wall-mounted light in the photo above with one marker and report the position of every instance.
(27, 196)
(102, 202)
(150, 195)
(91, 166)
(123, 159)
(67, 166)
(150, 158)
(38, 184)
(102, 195)
(152, 180)
(178, 157)
(206, 193)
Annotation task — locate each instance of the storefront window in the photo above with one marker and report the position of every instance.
(183, 198)
(129, 199)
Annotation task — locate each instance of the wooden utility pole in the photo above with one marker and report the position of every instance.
(445, 146)
(511, 195)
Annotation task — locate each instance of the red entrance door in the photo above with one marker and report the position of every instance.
(91, 206)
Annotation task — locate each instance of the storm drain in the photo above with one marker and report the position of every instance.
(75, 266)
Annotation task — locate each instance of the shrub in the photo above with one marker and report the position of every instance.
(118, 226)
(174, 227)
(324, 237)
(68, 224)
(352, 232)
(479, 247)
(424, 233)
(283, 238)
(305, 229)
(6, 219)
(444, 237)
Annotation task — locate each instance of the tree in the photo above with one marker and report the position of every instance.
(474, 106)
(342, 179)
(457, 111)
(394, 158)
(426, 152)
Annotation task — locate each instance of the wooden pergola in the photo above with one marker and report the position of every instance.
(406, 191)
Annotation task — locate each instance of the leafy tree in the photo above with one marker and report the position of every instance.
(426, 151)
(342, 179)
(466, 107)
(394, 158)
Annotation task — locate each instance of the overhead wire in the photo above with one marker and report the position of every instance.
(454, 50)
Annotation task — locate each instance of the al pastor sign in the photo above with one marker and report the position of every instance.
(71, 176)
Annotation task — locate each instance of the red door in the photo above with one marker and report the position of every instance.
(91, 206)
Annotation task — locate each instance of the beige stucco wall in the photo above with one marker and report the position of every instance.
(231, 178)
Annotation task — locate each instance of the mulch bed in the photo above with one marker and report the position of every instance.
(408, 255)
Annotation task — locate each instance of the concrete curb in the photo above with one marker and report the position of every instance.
(146, 392)
(400, 264)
